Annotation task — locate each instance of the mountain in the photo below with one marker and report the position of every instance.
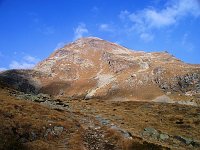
(94, 68)
(94, 94)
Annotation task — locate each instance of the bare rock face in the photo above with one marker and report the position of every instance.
(94, 68)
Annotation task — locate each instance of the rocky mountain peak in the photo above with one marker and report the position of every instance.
(95, 44)
(89, 39)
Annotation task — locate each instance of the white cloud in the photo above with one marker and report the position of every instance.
(184, 39)
(59, 45)
(46, 29)
(186, 43)
(2, 69)
(123, 14)
(21, 65)
(148, 19)
(27, 62)
(80, 31)
(106, 27)
(171, 14)
(31, 59)
(118, 42)
(146, 37)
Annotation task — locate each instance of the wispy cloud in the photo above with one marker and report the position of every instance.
(20, 65)
(31, 59)
(27, 62)
(106, 27)
(47, 30)
(186, 43)
(39, 25)
(184, 39)
(80, 31)
(59, 45)
(148, 19)
(34, 17)
(95, 9)
(146, 37)
(2, 69)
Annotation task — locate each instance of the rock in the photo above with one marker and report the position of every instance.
(168, 93)
(164, 86)
(57, 130)
(43, 96)
(149, 131)
(164, 136)
(48, 134)
(163, 99)
(32, 136)
(124, 133)
(187, 84)
(144, 65)
(105, 121)
(158, 70)
(184, 140)
(102, 120)
(180, 121)
(187, 102)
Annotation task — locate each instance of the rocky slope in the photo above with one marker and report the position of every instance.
(94, 68)
(30, 121)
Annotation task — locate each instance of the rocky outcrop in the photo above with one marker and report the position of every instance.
(188, 84)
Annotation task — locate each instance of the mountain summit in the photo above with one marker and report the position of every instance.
(94, 68)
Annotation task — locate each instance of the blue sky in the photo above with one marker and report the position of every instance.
(30, 30)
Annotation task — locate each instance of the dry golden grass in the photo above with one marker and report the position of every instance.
(132, 116)
(19, 118)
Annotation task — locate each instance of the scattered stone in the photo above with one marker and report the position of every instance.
(33, 136)
(179, 121)
(187, 102)
(187, 141)
(149, 131)
(102, 120)
(168, 93)
(164, 136)
(124, 133)
(184, 140)
(57, 130)
(163, 99)
(47, 133)
(53, 131)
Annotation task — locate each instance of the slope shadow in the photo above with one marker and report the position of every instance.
(21, 80)
(55, 88)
